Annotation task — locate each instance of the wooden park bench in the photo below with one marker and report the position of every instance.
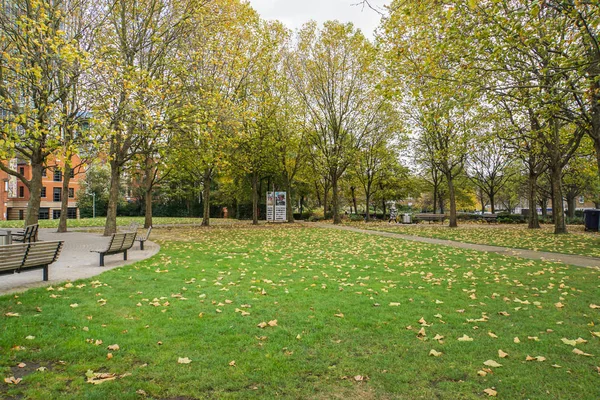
(119, 243)
(28, 235)
(489, 218)
(19, 257)
(143, 238)
(430, 217)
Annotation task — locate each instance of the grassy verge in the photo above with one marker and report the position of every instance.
(356, 316)
(513, 236)
(121, 221)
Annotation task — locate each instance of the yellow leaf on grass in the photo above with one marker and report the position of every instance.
(232, 363)
(594, 306)
(581, 353)
(12, 380)
(516, 340)
(559, 305)
(491, 392)
(481, 373)
(435, 353)
(537, 358)
(340, 315)
(394, 304)
(262, 325)
(493, 335)
(272, 323)
(12, 314)
(502, 354)
(113, 347)
(183, 360)
(438, 337)
(465, 338)
(492, 363)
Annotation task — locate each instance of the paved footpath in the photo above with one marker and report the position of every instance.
(76, 261)
(580, 261)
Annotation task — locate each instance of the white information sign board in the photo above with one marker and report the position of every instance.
(276, 206)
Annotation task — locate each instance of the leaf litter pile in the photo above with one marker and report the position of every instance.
(307, 313)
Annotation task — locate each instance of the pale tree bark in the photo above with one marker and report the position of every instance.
(206, 196)
(452, 194)
(255, 198)
(64, 201)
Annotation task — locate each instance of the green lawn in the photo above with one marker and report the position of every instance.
(513, 236)
(121, 221)
(357, 317)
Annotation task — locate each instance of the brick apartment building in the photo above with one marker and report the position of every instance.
(14, 195)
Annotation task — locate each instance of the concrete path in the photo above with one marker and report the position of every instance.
(76, 261)
(580, 261)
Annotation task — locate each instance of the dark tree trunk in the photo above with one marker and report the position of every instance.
(452, 194)
(492, 202)
(544, 206)
(482, 201)
(353, 189)
(148, 193)
(368, 204)
(383, 207)
(337, 218)
(288, 201)
(206, 196)
(35, 191)
(255, 198)
(325, 201)
(557, 200)
(113, 199)
(533, 220)
(64, 201)
(571, 199)
(441, 201)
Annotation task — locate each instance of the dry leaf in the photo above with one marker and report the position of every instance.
(493, 335)
(12, 380)
(538, 358)
(435, 353)
(438, 337)
(502, 354)
(394, 304)
(492, 363)
(183, 360)
(113, 347)
(232, 363)
(559, 305)
(594, 306)
(98, 378)
(516, 340)
(21, 365)
(30, 337)
(12, 314)
(581, 353)
(74, 305)
(465, 338)
(340, 315)
(273, 323)
(262, 325)
(481, 373)
(504, 313)
(421, 332)
(491, 392)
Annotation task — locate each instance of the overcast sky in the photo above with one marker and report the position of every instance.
(294, 13)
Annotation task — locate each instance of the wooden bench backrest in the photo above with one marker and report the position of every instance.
(116, 242)
(12, 255)
(129, 240)
(42, 253)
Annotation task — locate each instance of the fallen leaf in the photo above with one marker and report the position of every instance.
(559, 305)
(481, 373)
(113, 347)
(581, 353)
(12, 314)
(272, 323)
(74, 305)
(465, 338)
(340, 315)
(30, 337)
(21, 365)
(232, 363)
(394, 304)
(594, 306)
(262, 325)
(109, 356)
(435, 353)
(493, 335)
(98, 378)
(537, 358)
(438, 337)
(183, 360)
(42, 369)
(503, 313)
(492, 363)
(516, 340)
(12, 380)
(491, 392)
(502, 354)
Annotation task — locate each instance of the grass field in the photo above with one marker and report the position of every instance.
(121, 221)
(354, 317)
(514, 236)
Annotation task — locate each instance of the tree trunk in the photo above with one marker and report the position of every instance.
(254, 198)
(482, 201)
(64, 201)
(435, 199)
(337, 219)
(353, 189)
(288, 201)
(452, 194)
(113, 199)
(571, 199)
(557, 200)
(35, 193)
(492, 203)
(533, 220)
(206, 196)
(544, 206)
(383, 207)
(441, 201)
(325, 200)
(368, 204)
(148, 207)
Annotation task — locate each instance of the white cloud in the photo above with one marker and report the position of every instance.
(294, 13)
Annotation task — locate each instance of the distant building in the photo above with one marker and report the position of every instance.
(14, 195)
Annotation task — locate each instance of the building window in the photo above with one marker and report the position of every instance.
(72, 173)
(44, 173)
(44, 213)
(43, 192)
(22, 170)
(57, 194)
(57, 175)
(581, 199)
(72, 213)
(55, 214)
(71, 193)
(21, 191)
(21, 215)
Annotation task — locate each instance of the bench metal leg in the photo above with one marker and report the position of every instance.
(45, 273)
(102, 259)
(141, 245)
(125, 255)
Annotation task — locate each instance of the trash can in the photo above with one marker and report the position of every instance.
(591, 220)
(407, 219)
(5, 237)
